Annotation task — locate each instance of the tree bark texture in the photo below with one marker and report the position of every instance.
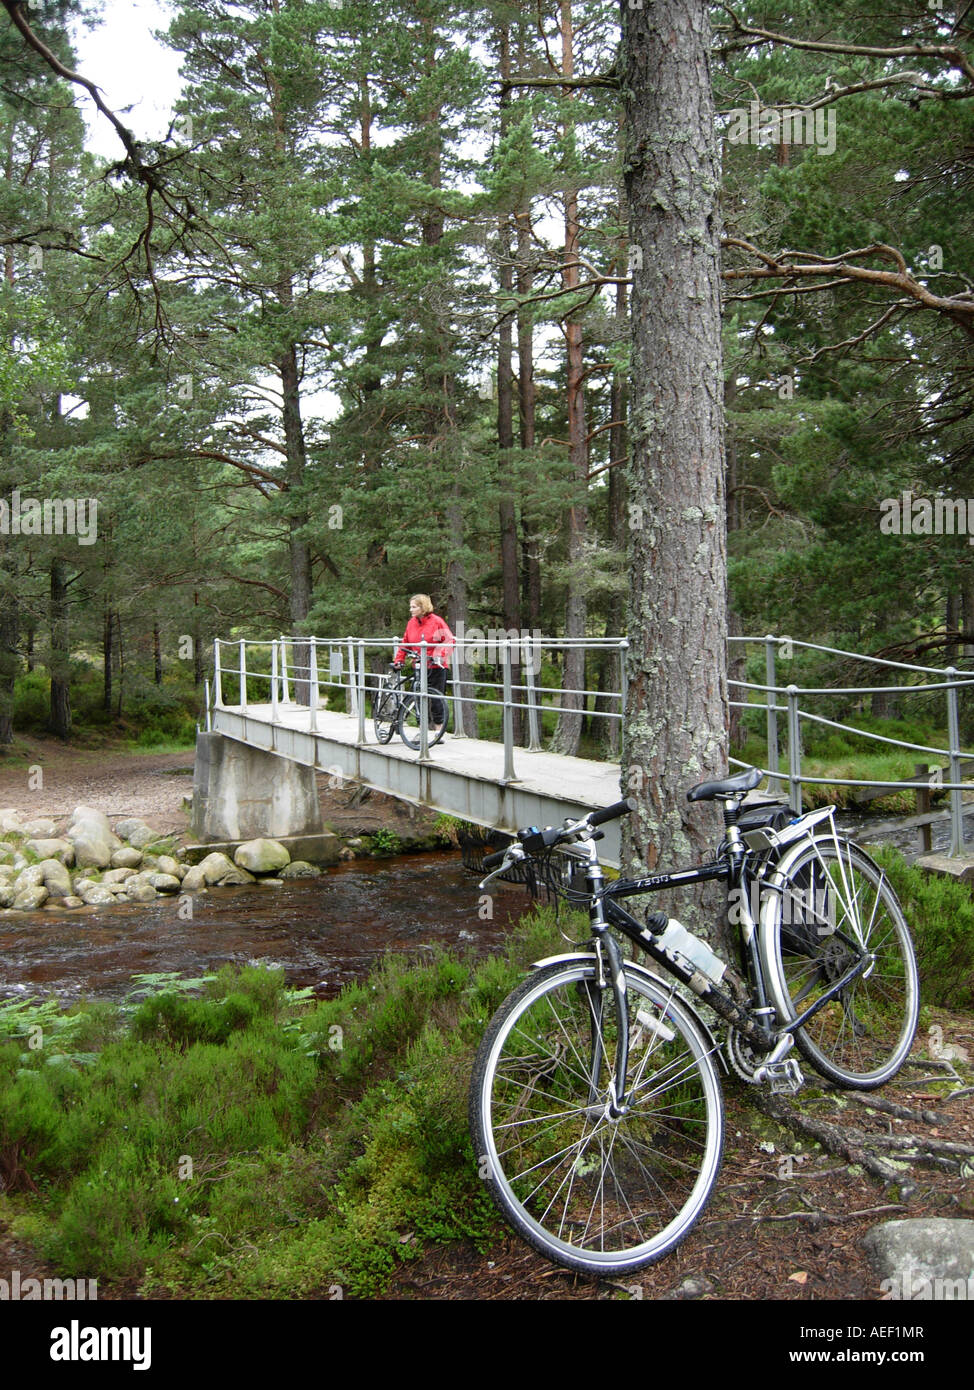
(676, 716)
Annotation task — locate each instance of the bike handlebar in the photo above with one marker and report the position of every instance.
(613, 812)
(534, 841)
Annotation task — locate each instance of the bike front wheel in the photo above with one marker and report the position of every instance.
(409, 723)
(385, 712)
(598, 1194)
(830, 906)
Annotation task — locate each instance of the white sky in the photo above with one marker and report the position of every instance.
(132, 69)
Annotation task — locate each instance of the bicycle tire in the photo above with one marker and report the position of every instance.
(599, 1196)
(385, 713)
(828, 901)
(408, 723)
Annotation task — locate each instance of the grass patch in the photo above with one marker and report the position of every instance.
(228, 1137)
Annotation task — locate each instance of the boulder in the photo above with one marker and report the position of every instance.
(923, 1258)
(97, 895)
(142, 835)
(215, 867)
(194, 880)
(236, 876)
(167, 865)
(73, 901)
(262, 856)
(30, 877)
(165, 883)
(137, 890)
(125, 827)
(126, 858)
(56, 848)
(30, 899)
(92, 848)
(41, 826)
(8, 895)
(117, 875)
(55, 878)
(300, 868)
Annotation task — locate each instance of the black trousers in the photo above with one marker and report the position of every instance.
(436, 682)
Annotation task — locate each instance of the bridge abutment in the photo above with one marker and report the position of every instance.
(242, 793)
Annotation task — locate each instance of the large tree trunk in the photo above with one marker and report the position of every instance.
(676, 718)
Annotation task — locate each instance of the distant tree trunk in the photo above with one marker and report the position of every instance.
(9, 633)
(572, 701)
(736, 662)
(510, 587)
(531, 568)
(157, 653)
(300, 550)
(107, 658)
(60, 722)
(676, 717)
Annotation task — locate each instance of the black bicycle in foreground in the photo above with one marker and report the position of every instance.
(396, 705)
(596, 1108)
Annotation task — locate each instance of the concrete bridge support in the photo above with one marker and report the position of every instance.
(242, 793)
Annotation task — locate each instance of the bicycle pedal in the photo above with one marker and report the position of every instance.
(785, 1076)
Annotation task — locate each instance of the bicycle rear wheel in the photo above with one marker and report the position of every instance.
(385, 712)
(409, 723)
(828, 906)
(599, 1195)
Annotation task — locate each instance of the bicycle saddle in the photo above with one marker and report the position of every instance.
(744, 782)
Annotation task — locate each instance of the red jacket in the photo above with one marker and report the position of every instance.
(439, 638)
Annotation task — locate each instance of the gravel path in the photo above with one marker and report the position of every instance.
(56, 778)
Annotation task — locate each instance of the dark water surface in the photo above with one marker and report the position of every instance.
(324, 932)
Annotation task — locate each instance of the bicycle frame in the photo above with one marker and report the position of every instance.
(754, 1021)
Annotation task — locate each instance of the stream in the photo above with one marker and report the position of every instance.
(325, 932)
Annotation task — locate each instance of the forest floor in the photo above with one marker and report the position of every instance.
(119, 782)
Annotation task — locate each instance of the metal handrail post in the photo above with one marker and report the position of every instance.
(534, 723)
(274, 676)
(352, 709)
(623, 692)
(243, 674)
(794, 752)
(206, 697)
(771, 699)
(458, 729)
(217, 678)
(508, 714)
(361, 691)
(285, 693)
(313, 686)
(956, 797)
(424, 735)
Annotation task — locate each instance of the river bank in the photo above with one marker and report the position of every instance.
(47, 778)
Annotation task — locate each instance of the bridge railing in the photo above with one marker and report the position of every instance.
(498, 688)
(791, 701)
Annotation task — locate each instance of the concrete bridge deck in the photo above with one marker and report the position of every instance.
(462, 777)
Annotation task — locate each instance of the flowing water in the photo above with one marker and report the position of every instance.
(324, 932)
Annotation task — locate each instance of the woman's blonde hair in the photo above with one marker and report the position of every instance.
(424, 601)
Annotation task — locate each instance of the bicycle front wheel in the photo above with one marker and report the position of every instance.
(828, 907)
(601, 1195)
(409, 724)
(385, 713)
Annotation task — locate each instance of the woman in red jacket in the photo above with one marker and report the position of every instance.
(424, 625)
